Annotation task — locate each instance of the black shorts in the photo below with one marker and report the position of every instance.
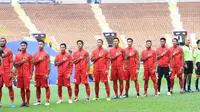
(189, 69)
(163, 71)
(198, 68)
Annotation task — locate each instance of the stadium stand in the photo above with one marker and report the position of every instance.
(141, 21)
(11, 26)
(67, 23)
(190, 16)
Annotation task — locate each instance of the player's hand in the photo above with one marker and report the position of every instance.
(118, 53)
(87, 74)
(100, 54)
(65, 59)
(131, 54)
(153, 71)
(41, 58)
(68, 76)
(195, 67)
(82, 57)
(149, 55)
(30, 77)
(10, 76)
(46, 76)
(185, 65)
(137, 71)
(24, 60)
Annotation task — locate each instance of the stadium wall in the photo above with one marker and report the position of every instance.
(72, 1)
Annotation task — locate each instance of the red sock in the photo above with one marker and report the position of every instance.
(38, 93)
(115, 87)
(28, 93)
(23, 95)
(127, 86)
(11, 93)
(172, 83)
(121, 87)
(60, 92)
(137, 87)
(181, 83)
(47, 94)
(145, 87)
(87, 88)
(96, 89)
(69, 92)
(0, 94)
(155, 86)
(107, 89)
(76, 90)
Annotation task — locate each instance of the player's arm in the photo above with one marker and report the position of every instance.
(154, 60)
(87, 62)
(93, 58)
(17, 63)
(30, 66)
(143, 57)
(158, 54)
(35, 61)
(107, 61)
(70, 64)
(57, 62)
(10, 55)
(137, 60)
(75, 60)
(48, 64)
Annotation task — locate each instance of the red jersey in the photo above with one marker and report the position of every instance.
(150, 62)
(82, 64)
(7, 61)
(101, 63)
(163, 61)
(66, 67)
(176, 57)
(41, 67)
(132, 60)
(117, 62)
(26, 68)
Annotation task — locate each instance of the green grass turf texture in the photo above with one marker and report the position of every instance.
(188, 102)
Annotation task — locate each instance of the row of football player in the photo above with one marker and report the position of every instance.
(124, 66)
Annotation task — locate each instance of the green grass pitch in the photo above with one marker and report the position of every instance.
(188, 102)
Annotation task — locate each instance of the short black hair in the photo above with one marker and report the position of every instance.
(4, 39)
(116, 38)
(163, 38)
(41, 41)
(80, 42)
(63, 44)
(130, 39)
(148, 41)
(175, 39)
(24, 42)
(198, 41)
(100, 40)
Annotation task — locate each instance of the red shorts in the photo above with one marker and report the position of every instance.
(23, 82)
(117, 74)
(100, 75)
(63, 81)
(80, 77)
(5, 79)
(130, 74)
(176, 71)
(41, 81)
(149, 73)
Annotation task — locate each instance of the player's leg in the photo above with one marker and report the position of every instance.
(153, 78)
(197, 72)
(87, 88)
(104, 79)
(120, 76)
(113, 78)
(190, 71)
(59, 94)
(28, 94)
(76, 91)
(134, 77)
(127, 85)
(22, 92)
(77, 81)
(60, 83)
(146, 81)
(69, 88)
(179, 75)
(96, 81)
(38, 89)
(107, 90)
(0, 96)
(160, 72)
(26, 87)
(173, 72)
(167, 77)
(84, 80)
